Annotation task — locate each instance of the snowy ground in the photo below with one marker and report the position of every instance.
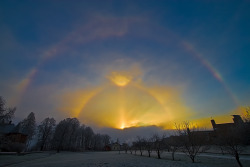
(114, 159)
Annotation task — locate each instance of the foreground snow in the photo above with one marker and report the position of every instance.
(111, 159)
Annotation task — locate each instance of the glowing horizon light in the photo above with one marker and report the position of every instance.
(122, 126)
(120, 79)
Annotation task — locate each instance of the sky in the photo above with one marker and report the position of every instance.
(126, 63)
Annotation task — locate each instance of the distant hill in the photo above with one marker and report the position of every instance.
(129, 134)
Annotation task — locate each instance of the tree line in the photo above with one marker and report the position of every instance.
(68, 135)
(184, 139)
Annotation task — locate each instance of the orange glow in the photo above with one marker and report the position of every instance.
(75, 100)
(120, 79)
(123, 125)
(132, 106)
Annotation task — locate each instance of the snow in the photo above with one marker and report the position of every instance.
(114, 159)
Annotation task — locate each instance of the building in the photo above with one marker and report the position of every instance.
(115, 146)
(226, 127)
(238, 129)
(6, 128)
(107, 148)
(208, 137)
(10, 139)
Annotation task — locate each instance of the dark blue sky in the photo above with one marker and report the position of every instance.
(200, 50)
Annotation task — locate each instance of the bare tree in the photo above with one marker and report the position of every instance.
(46, 129)
(81, 137)
(125, 147)
(131, 149)
(233, 142)
(28, 127)
(106, 139)
(69, 135)
(149, 145)
(88, 138)
(134, 147)
(60, 133)
(174, 144)
(247, 114)
(191, 140)
(118, 142)
(64, 133)
(158, 144)
(74, 125)
(140, 144)
(98, 141)
(247, 125)
(6, 114)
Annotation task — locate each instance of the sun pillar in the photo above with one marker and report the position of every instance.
(122, 109)
(121, 80)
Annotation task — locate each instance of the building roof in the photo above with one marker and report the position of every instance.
(6, 128)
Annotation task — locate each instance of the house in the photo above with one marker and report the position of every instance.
(16, 137)
(115, 146)
(107, 148)
(6, 128)
(9, 138)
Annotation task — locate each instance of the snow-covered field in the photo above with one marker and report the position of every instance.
(114, 159)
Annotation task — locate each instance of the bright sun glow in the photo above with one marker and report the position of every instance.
(122, 126)
(134, 105)
(120, 79)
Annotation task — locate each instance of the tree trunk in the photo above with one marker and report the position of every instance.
(82, 143)
(41, 148)
(222, 152)
(238, 159)
(192, 158)
(27, 145)
(158, 154)
(173, 156)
